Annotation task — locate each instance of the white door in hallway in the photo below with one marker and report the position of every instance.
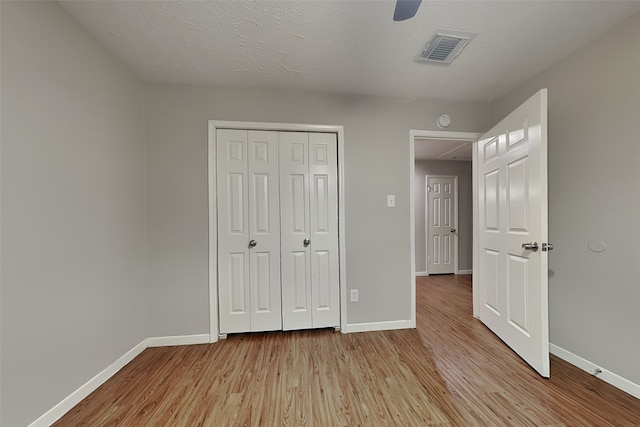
(248, 231)
(441, 223)
(512, 217)
(309, 219)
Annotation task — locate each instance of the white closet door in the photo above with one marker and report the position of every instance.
(294, 219)
(277, 230)
(323, 208)
(233, 232)
(264, 231)
(309, 220)
(248, 231)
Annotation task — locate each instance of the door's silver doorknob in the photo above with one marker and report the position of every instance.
(252, 243)
(453, 230)
(306, 242)
(530, 246)
(547, 247)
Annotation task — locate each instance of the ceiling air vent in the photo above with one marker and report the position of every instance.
(445, 46)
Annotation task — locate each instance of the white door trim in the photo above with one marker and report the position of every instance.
(444, 135)
(214, 125)
(455, 221)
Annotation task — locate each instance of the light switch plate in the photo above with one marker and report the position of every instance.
(391, 201)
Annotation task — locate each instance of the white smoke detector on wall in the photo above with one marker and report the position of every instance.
(443, 121)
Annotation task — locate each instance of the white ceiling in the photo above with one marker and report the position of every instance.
(438, 149)
(345, 46)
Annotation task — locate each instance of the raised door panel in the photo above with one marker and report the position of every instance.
(233, 232)
(323, 207)
(264, 230)
(294, 230)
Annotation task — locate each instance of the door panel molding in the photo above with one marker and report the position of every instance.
(214, 126)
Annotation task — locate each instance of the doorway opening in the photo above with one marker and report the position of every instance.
(441, 153)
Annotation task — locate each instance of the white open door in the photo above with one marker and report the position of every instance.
(512, 217)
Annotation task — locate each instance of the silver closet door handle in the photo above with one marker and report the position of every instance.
(453, 230)
(306, 242)
(252, 243)
(530, 246)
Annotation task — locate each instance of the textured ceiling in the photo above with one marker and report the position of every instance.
(345, 46)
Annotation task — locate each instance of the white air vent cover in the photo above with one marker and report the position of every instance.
(445, 46)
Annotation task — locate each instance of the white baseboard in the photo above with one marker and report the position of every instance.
(465, 271)
(590, 367)
(378, 326)
(55, 413)
(177, 340)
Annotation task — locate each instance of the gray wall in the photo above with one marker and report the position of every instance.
(594, 157)
(74, 293)
(376, 164)
(465, 208)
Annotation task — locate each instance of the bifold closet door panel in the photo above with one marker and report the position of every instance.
(248, 231)
(264, 230)
(294, 222)
(323, 209)
(233, 231)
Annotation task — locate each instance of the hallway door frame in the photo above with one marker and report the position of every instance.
(414, 134)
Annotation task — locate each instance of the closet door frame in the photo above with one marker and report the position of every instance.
(214, 125)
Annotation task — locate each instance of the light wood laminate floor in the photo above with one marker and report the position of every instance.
(450, 371)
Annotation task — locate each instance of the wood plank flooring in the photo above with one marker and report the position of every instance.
(494, 384)
(450, 371)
